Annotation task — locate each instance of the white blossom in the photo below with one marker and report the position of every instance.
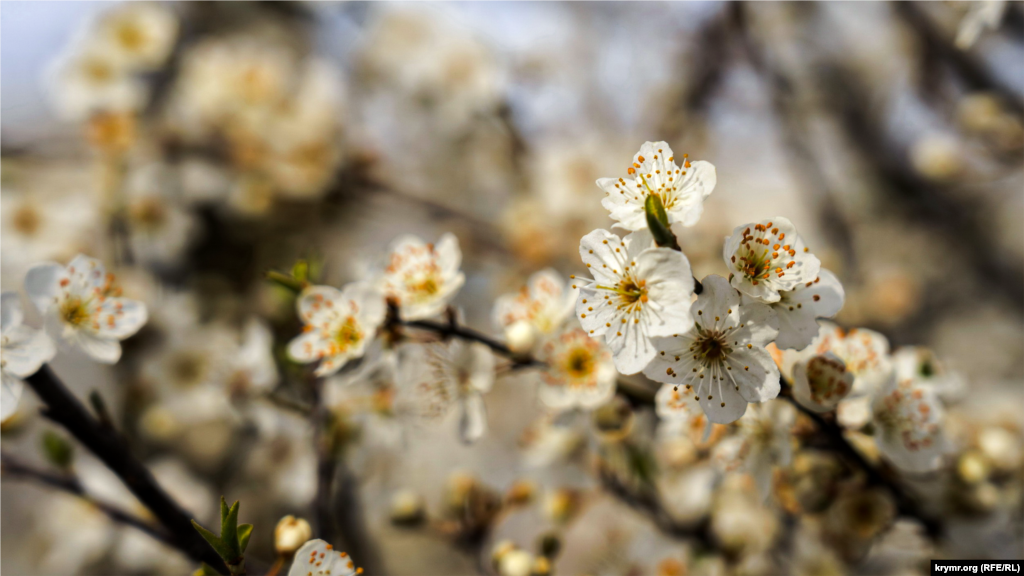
(921, 365)
(82, 308)
(91, 78)
(160, 228)
(321, 559)
(821, 382)
(768, 257)
(422, 277)
(439, 376)
(798, 309)
(23, 350)
(682, 189)
(140, 35)
(338, 325)
(638, 291)
(580, 374)
(767, 441)
(722, 362)
(908, 418)
(540, 308)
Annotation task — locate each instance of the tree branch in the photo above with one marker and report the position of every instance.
(64, 409)
(70, 484)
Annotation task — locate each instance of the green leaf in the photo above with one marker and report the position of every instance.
(657, 221)
(215, 542)
(300, 271)
(223, 512)
(57, 449)
(244, 531)
(229, 533)
(286, 281)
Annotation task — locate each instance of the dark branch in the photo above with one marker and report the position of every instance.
(17, 469)
(64, 409)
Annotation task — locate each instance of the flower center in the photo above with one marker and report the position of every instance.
(825, 378)
(757, 263)
(150, 213)
(187, 369)
(348, 335)
(579, 363)
(26, 220)
(74, 311)
(130, 36)
(710, 346)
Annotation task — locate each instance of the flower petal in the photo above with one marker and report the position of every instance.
(42, 284)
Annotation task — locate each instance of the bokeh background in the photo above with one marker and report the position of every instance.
(890, 133)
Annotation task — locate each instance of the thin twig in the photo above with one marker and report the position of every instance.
(64, 409)
(70, 484)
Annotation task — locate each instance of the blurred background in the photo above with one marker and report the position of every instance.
(222, 140)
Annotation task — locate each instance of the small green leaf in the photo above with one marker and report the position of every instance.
(244, 531)
(215, 542)
(223, 512)
(229, 533)
(300, 271)
(286, 281)
(657, 222)
(57, 449)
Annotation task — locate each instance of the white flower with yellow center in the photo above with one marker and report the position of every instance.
(682, 189)
(799, 309)
(139, 34)
(820, 382)
(769, 257)
(580, 372)
(88, 79)
(538, 309)
(439, 376)
(907, 417)
(319, 558)
(638, 291)
(338, 325)
(422, 277)
(22, 351)
(82, 307)
(722, 363)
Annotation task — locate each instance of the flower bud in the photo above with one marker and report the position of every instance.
(407, 508)
(520, 336)
(290, 534)
(515, 563)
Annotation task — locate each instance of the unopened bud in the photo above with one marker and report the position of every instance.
(515, 563)
(520, 336)
(407, 508)
(290, 534)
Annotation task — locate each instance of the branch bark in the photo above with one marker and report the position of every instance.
(65, 410)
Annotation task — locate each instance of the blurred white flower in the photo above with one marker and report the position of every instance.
(285, 457)
(820, 382)
(981, 15)
(908, 419)
(688, 495)
(160, 226)
(422, 277)
(22, 351)
(251, 368)
(140, 35)
(921, 365)
(338, 325)
(54, 225)
(722, 362)
(768, 257)
(654, 171)
(438, 376)
(638, 291)
(542, 306)
(546, 442)
(321, 559)
(767, 441)
(90, 78)
(799, 309)
(81, 307)
(580, 374)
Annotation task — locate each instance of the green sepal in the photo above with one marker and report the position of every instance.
(229, 533)
(657, 222)
(57, 449)
(244, 531)
(215, 542)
